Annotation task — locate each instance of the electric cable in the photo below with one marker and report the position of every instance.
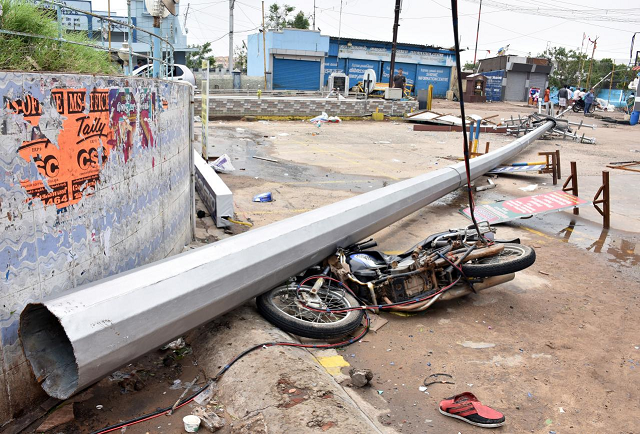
(454, 17)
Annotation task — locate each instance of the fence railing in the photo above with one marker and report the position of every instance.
(165, 62)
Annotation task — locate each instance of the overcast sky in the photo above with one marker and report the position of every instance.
(528, 26)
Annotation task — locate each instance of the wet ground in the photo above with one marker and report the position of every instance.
(557, 349)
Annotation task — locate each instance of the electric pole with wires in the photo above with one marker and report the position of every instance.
(395, 41)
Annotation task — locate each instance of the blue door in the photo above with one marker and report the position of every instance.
(438, 76)
(293, 74)
(408, 70)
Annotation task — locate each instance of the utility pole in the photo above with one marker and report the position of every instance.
(477, 34)
(314, 15)
(584, 36)
(340, 21)
(595, 43)
(185, 18)
(395, 42)
(109, 24)
(231, 5)
(264, 47)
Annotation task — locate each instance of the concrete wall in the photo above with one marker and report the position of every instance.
(252, 106)
(96, 180)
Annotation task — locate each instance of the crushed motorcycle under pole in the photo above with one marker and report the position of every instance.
(327, 300)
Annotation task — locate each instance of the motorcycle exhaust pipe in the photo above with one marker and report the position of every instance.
(486, 283)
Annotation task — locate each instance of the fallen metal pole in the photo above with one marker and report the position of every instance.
(78, 337)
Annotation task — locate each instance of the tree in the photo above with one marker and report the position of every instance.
(470, 66)
(240, 58)
(568, 65)
(195, 58)
(277, 19)
(300, 21)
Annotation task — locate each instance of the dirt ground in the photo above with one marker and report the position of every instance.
(556, 350)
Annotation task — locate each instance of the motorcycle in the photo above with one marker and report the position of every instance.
(328, 299)
(578, 106)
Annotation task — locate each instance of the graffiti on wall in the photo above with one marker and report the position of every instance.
(94, 124)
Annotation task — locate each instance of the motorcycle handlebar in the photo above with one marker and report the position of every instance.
(367, 245)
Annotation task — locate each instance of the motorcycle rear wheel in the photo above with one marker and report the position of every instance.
(281, 307)
(513, 258)
(576, 108)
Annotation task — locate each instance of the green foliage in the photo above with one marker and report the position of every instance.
(24, 53)
(572, 68)
(278, 16)
(300, 21)
(195, 58)
(240, 58)
(470, 66)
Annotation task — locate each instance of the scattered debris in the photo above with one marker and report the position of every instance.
(191, 423)
(377, 322)
(263, 197)
(283, 134)
(209, 419)
(436, 380)
(99, 407)
(544, 272)
(186, 389)
(59, 417)
(324, 118)
(487, 187)
(223, 164)
(178, 343)
(476, 345)
(240, 130)
(530, 187)
(360, 377)
(561, 129)
(265, 159)
(422, 388)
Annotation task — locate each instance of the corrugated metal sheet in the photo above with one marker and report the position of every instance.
(293, 74)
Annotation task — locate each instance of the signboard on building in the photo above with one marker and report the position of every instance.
(513, 209)
(406, 56)
(493, 88)
(73, 20)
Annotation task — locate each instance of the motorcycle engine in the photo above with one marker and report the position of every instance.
(405, 288)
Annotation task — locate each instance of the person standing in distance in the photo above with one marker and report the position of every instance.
(562, 99)
(400, 80)
(547, 93)
(588, 100)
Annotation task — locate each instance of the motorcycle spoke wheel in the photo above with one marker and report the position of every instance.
(284, 307)
(513, 258)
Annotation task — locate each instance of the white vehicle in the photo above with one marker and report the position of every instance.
(180, 73)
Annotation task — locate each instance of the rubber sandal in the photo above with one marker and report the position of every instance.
(466, 407)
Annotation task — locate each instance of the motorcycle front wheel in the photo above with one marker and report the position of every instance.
(576, 108)
(282, 307)
(513, 258)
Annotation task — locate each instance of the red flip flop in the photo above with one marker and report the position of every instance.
(466, 407)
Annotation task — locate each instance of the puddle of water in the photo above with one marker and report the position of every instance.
(617, 246)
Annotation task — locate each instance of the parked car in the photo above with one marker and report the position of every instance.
(180, 73)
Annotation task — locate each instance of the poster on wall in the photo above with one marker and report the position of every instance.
(69, 169)
(493, 87)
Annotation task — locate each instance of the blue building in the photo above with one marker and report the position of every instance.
(304, 59)
(170, 27)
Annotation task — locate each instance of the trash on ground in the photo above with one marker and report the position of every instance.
(439, 378)
(476, 345)
(360, 377)
(479, 415)
(486, 187)
(283, 134)
(530, 187)
(178, 343)
(209, 419)
(422, 388)
(265, 159)
(324, 118)
(197, 118)
(200, 213)
(240, 130)
(204, 397)
(191, 423)
(377, 322)
(99, 407)
(58, 417)
(263, 197)
(223, 164)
